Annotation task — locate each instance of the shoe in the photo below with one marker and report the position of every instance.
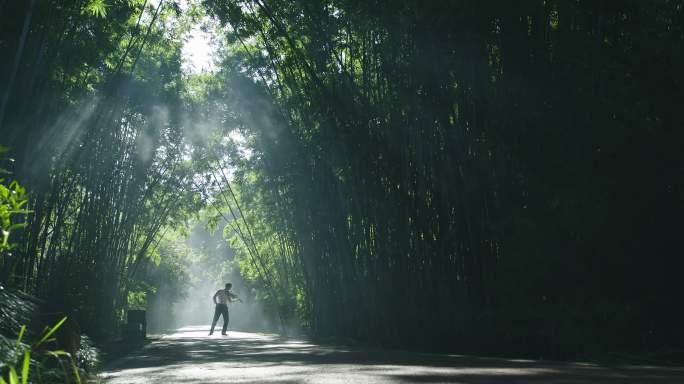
(211, 333)
(224, 334)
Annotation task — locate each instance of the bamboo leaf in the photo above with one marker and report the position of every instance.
(25, 367)
(77, 375)
(51, 331)
(17, 226)
(13, 378)
(97, 8)
(21, 335)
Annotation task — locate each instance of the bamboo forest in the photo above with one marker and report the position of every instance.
(370, 191)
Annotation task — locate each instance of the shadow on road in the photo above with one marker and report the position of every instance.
(189, 356)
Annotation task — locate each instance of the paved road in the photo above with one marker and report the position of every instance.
(190, 356)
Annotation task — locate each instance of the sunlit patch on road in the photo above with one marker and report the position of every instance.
(189, 355)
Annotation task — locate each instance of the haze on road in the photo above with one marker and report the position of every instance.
(190, 356)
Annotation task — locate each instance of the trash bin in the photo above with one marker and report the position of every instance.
(136, 326)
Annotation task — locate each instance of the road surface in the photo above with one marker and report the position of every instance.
(190, 356)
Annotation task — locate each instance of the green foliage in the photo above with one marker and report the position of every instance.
(13, 200)
(97, 8)
(497, 173)
(34, 361)
(157, 287)
(115, 176)
(88, 356)
(137, 299)
(480, 165)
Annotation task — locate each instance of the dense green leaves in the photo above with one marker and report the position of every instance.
(491, 176)
(97, 8)
(499, 176)
(30, 360)
(98, 132)
(13, 200)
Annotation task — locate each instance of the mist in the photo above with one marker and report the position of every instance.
(211, 265)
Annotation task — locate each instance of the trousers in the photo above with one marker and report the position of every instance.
(221, 309)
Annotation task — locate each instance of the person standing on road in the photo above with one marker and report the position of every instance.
(221, 299)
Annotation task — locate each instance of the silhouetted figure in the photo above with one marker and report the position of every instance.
(221, 298)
